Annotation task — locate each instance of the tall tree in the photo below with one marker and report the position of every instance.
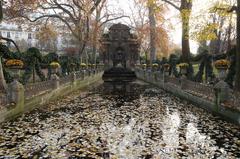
(152, 36)
(185, 9)
(152, 23)
(75, 14)
(235, 8)
(237, 81)
(102, 15)
(47, 38)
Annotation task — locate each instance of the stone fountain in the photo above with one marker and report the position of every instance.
(120, 53)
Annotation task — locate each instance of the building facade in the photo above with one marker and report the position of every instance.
(26, 38)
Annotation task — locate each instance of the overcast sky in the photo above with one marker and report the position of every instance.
(198, 8)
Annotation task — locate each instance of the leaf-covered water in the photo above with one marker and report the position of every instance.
(125, 121)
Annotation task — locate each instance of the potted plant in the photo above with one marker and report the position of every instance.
(144, 66)
(183, 68)
(166, 67)
(222, 66)
(90, 66)
(54, 67)
(83, 66)
(15, 65)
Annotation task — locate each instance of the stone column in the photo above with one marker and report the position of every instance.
(183, 82)
(3, 85)
(56, 80)
(165, 76)
(222, 93)
(16, 93)
(84, 74)
(73, 78)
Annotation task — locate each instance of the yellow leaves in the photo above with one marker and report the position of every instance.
(208, 32)
(222, 9)
(151, 3)
(46, 33)
(185, 13)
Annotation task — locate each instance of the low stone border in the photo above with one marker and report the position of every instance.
(209, 105)
(27, 104)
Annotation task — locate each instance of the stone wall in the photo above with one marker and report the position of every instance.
(21, 99)
(204, 96)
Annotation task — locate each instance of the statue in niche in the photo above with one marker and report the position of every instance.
(119, 53)
(119, 47)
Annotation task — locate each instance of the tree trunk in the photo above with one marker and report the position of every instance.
(185, 9)
(229, 33)
(3, 85)
(237, 81)
(95, 36)
(1, 11)
(185, 40)
(152, 22)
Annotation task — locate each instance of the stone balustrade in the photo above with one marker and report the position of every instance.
(65, 79)
(215, 98)
(199, 89)
(34, 89)
(22, 98)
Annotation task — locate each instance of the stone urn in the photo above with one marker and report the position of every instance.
(144, 66)
(15, 66)
(83, 66)
(183, 68)
(222, 66)
(154, 67)
(166, 69)
(55, 66)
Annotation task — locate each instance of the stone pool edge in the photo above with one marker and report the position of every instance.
(225, 113)
(27, 105)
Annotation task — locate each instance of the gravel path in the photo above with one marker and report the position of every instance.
(123, 122)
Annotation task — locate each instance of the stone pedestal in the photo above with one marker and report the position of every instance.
(84, 72)
(222, 92)
(183, 70)
(16, 93)
(222, 73)
(56, 80)
(3, 85)
(74, 78)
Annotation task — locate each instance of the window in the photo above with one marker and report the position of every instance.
(17, 34)
(29, 36)
(8, 35)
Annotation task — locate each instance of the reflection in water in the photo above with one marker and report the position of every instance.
(120, 91)
(144, 122)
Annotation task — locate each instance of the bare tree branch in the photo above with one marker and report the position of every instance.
(53, 16)
(116, 18)
(172, 4)
(10, 40)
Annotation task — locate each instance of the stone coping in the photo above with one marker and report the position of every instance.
(26, 105)
(226, 113)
